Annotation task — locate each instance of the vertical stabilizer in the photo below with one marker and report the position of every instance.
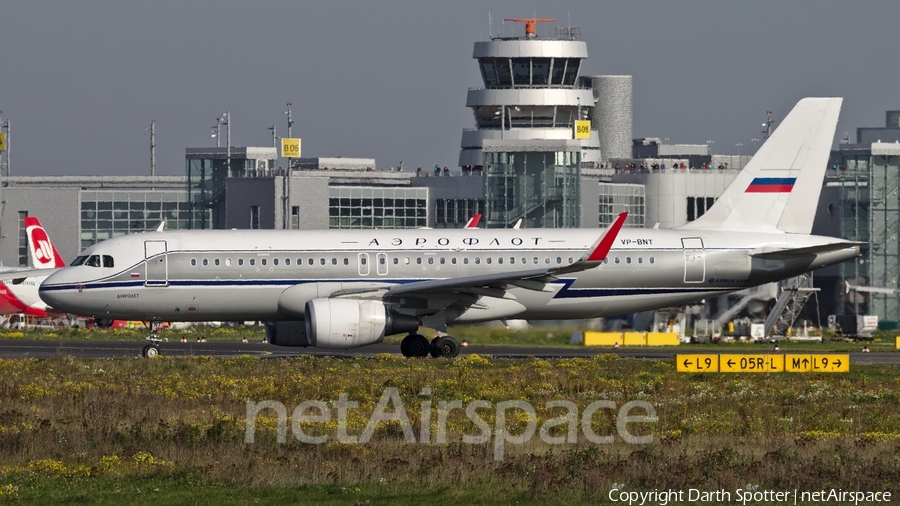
(779, 188)
(43, 252)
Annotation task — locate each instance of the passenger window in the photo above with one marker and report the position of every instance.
(453, 260)
(546, 260)
(274, 261)
(443, 261)
(535, 259)
(406, 261)
(311, 261)
(606, 260)
(524, 261)
(262, 261)
(334, 261)
(346, 261)
(627, 260)
(477, 260)
(512, 260)
(617, 259)
(193, 262)
(488, 260)
(640, 260)
(396, 261)
(499, 260)
(228, 262)
(321, 261)
(558, 260)
(651, 260)
(465, 260)
(381, 261)
(570, 260)
(216, 261)
(252, 261)
(240, 261)
(430, 260)
(419, 260)
(287, 261)
(205, 262)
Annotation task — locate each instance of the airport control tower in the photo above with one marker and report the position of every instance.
(525, 140)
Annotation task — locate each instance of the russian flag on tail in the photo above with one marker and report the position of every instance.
(771, 185)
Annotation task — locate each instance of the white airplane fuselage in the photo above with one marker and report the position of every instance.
(269, 275)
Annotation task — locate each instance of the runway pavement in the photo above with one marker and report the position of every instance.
(14, 348)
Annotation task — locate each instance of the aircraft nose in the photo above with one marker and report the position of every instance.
(52, 291)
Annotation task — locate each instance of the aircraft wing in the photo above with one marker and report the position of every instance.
(788, 254)
(17, 274)
(532, 279)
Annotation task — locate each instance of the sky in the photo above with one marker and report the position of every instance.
(81, 81)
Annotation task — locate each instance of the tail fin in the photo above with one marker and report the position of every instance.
(43, 252)
(779, 188)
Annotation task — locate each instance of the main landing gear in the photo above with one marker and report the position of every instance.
(415, 345)
(152, 350)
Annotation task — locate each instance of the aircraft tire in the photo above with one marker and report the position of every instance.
(445, 347)
(415, 345)
(150, 351)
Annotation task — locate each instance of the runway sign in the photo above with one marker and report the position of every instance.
(762, 362)
(817, 363)
(697, 363)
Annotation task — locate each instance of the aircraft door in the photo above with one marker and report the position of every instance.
(382, 264)
(156, 263)
(363, 260)
(694, 260)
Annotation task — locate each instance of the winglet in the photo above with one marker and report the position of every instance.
(604, 243)
(473, 221)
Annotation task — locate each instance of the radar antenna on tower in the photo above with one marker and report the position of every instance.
(529, 24)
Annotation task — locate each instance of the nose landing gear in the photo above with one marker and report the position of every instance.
(152, 350)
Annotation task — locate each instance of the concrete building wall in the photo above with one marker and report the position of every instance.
(590, 202)
(667, 192)
(59, 212)
(243, 194)
(612, 115)
(310, 194)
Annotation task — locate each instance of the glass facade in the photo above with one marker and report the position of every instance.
(107, 214)
(616, 198)
(369, 207)
(456, 211)
(541, 188)
(526, 116)
(206, 175)
(870, 213)
(525, 72)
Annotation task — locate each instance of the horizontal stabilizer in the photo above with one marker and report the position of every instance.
(788, 254)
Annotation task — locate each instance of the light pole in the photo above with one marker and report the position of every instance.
(755, 144)
(709, 146)
(274, 136)
(226, 120)
(739, 145)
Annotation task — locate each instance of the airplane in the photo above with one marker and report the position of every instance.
(22, 296)
(349, 288)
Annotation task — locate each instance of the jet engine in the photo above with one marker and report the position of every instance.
(348, 323)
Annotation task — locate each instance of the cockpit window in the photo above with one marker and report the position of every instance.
(108, 261)
(93, 261)
(78, 261)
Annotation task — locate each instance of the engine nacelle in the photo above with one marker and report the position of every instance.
(286, 333)
(348, 323)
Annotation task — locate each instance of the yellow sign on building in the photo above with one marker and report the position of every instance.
(582, 129)
(290, 148)
(2, 142)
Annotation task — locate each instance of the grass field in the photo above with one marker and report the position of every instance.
(173, 431)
